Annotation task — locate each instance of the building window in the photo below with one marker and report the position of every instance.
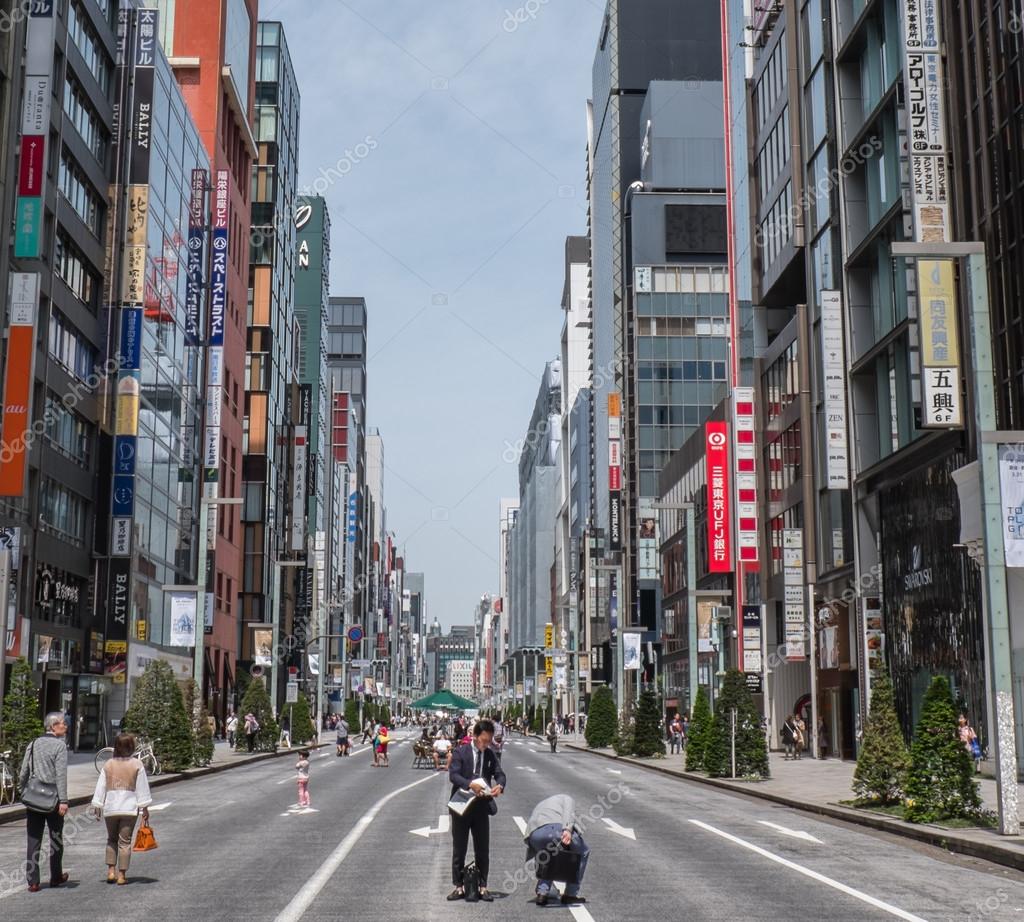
(69, 348)
(78, 192)
(67, 431)
(85, 120)
(782, 383)
(62, 510)
(80, 31)
(71, 268)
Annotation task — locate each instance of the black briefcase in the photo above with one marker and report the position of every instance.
(561, 865)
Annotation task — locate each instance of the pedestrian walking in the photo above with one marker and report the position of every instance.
(44, 785)
(550, 831)
(368, 728)
(380, 751)
(675, 730)
(789, 733)
(476, 768)
(302, 768)
(971, 742)
(552, 734)
(252, 727)
(231, 726)
(342, 737)
(121, 796)
(211, 723)
(822, 737)
(801, 735)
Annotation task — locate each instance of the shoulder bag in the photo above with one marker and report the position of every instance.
(39, 796)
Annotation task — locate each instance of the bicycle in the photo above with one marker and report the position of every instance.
(143, 752)
(6, 779)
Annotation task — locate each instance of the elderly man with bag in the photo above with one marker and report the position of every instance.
(44, 792)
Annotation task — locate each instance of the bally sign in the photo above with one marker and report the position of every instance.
(719, 543)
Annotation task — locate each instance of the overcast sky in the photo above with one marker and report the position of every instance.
(460, 129)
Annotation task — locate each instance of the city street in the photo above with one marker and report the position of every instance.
(375, 843)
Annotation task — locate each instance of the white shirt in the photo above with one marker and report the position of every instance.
(442, 746)
(122, 801)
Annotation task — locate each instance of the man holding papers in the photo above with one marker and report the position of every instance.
(475, 768)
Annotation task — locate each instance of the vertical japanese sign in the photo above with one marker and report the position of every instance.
(752, 662)
(833, 396)
(19, 371)
(926, 120)
(940, 345)
(35, 129)
(746, 476)
(614, 472)
(300, 449)
(719, 538)
(795, 605)
(196, 251)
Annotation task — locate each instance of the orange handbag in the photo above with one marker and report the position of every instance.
(145, 841)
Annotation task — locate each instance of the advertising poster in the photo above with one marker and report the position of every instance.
(115, 660)
(263, 646)
(183, 619)
(630, 650)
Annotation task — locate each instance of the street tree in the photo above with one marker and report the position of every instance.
(157, 712)
(648, 736)
(21, 723)
(257, 703)
(751, 745)
(300, 722)
(602, 722)
(883, 761)
(698, 733)
(940, 782)
(202, 737)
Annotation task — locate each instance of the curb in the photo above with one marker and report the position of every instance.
(945, 839)
(17, 812)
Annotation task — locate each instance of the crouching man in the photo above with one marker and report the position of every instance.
(550, 832)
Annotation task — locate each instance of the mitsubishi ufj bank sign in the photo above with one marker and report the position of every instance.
(717, 453)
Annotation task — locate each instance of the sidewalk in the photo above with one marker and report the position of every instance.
(819, 786)
(82, 774)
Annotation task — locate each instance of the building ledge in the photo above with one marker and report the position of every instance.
(239, 109)
(183, 63)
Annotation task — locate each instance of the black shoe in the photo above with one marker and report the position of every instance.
(542, 899)
(457, 894)
(572, 900)
(59, 881)
(487, 896)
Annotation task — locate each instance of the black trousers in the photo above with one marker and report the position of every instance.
(36, 823)
(476, 821)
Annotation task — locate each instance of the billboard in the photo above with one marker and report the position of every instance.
(18, 377)
(719, 537)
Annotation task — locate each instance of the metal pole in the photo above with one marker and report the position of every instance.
(275, 624)
(732, 720)
(691, 604)
(322, 651)
(994, 571)
(197, 650)
(5, 589)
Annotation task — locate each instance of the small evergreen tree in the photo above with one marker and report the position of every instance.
(751, 745)
(698, 733)
(883, 761)
(157, 712)
(384, 715)
(352, 716)
(21, 721)
(257, 702)
(940, 782)
(301, 727)
(649, 737)
(202, 737)
(602, 723)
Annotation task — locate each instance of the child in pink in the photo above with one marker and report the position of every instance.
(302, 766)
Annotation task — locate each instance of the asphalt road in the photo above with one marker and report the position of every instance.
(375, 847)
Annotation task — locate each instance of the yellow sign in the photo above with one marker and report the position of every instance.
(936, 299)
(141, 629)
(549, 667)
(549, 635)
(127, 422)
(133, 279)
(615, 404)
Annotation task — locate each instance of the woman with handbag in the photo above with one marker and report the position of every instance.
(43, 782)
(122, 794)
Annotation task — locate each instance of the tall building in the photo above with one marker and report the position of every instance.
(211, 44)
(276, 435)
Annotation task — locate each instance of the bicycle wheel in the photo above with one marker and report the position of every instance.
(152, 765)
(6, 786)
(103, 757)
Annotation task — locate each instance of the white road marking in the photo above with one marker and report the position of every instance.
(619, 830)
(579, 913)
(444, 824)
(526, 768)
(795, 833)
(614, 771)
(311, 889)
(156, 807)
(521, 823)
(814, 875)
(296, 810)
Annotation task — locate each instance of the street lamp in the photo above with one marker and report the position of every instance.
(200, 585)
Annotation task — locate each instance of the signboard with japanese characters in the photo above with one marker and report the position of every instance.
(717, 452)
(833, 396)
(795, 610)
(746, 476)
(940, 347)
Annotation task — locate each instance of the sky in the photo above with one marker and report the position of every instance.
(449, 140)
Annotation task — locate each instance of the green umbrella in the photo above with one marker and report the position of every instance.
(444, 700)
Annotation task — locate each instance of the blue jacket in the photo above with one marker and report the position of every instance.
(461, 772)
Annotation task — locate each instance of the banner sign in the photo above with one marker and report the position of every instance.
(614, 472)
(196, 252)
(630, 650)
(119, 599)
(183, 619)
(938, 331)
(1011, 487)
(793, 577)
(719, 542)
(746, 476)
(19, 372)
(298, 487)
(833, 397)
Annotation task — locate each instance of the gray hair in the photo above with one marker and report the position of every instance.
(54, 717)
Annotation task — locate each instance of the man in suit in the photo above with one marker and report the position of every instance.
(469, 764)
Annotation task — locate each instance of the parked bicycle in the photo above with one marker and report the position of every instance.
(143, 752)
(6, 779)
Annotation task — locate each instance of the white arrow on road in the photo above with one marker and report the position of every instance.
(619, 830)
(443, 825)
(614, 771)
(795, 833)
(526, 768)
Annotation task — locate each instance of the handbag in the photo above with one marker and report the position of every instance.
(39, 796)
(145, 841)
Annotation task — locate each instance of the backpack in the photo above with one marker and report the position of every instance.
(471, 883)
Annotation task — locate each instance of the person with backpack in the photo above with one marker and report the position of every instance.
(789, 736)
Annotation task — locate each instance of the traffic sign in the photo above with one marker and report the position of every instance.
(354, 633)
(291, 693)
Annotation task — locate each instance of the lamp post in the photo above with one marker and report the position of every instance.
(993, 568)
(200, 584)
